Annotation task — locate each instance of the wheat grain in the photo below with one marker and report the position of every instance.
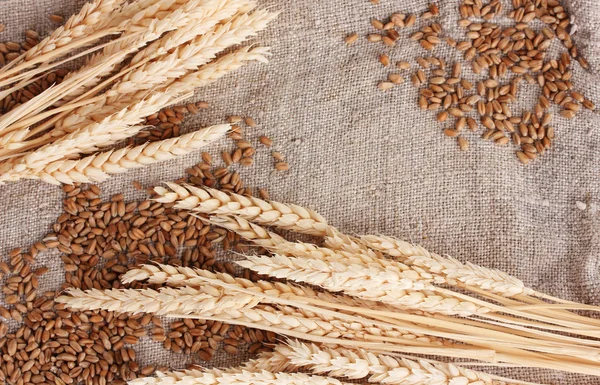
(367, 282)
(447, 269)
(99, 167)
(202, 301)
(356, 363)
(234, 377)
(209, 201)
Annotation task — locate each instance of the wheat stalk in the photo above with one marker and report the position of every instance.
(448, 269)
(99, 167)
(356, 363)
(214, 202)
(204, 300)
(234, 377)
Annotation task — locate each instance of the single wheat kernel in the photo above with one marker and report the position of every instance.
(384, 86)
(277, 155)
(351, 38)
(265, 140)
(377, 24)
(463, 143)
(451, 132)
(395, 78)
(282, 166)
(374, 37)
(384, 59)
(57, 18)
(234, 119)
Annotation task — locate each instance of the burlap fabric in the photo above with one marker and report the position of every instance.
(372, 162)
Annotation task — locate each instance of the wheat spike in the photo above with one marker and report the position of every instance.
(447, 269)
(366, 282)
(99, 167)
(146, 25)
(216, 69)
(234, 377)
(214, 202)
(89, 19)
(221, 10)
(192, 55)
(113, 128)
(280, 245)
(203, 300)
(356, 363)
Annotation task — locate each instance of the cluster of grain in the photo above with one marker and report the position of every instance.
(501, 58)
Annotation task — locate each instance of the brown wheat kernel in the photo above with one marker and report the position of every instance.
(403, 65)
(410, 20)
(589, 104)
(395, 78)
(377, 24)
(463, 143)
(442, 116)
(351, 38)
(137, 185)
(384, 59)
(569, 114)
(374, 37)
(246, 161)
(390, 42)
(263, 193)
(250, 122)
(282, 166)
(236, 156)
(56, 18)
(277, 155)
(384, 86)
(265, 140)
(451, 132)
(234, 119)
(398, 19)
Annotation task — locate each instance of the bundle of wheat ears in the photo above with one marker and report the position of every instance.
(379, 301)
(158, 52)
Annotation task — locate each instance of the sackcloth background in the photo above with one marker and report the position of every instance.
(372, 162)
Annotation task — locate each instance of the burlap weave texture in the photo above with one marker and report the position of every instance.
(372, 162)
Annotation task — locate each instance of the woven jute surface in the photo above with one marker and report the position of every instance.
(372, 162)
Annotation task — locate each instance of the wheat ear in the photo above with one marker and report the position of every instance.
(223, 9)
(229, 377)
(115, 127)
(81, 29)
(366, 282)
(196, 53)
(356, 363)
(142, 27)
(203, 300)
(99, 167)
(280, 245)
(194, 12)
(214, 202)
(448, 269)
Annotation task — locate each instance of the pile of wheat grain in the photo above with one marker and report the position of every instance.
(158, 52)
(381, 297)
(503, 58)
